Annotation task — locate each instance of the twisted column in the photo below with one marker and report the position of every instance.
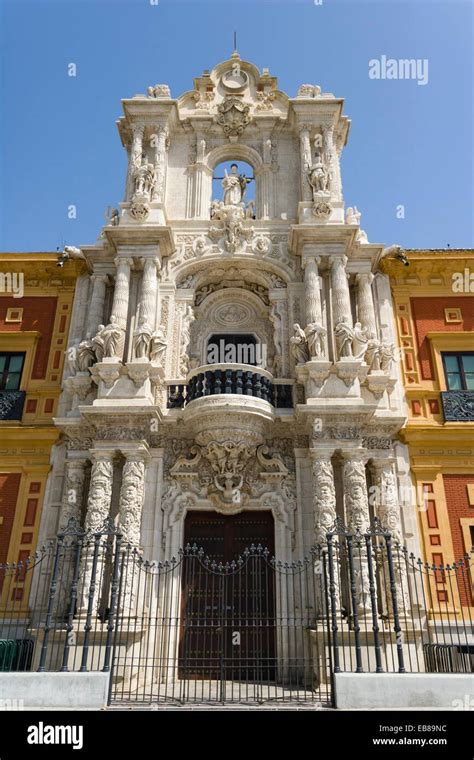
(95, 314)
(312, 290)
(341, 301)
(365, 303)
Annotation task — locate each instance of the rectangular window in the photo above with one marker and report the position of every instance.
(459, 371)
(11, 367)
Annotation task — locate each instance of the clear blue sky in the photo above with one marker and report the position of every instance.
(409, 144)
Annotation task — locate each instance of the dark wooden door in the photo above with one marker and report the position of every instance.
(228, 614)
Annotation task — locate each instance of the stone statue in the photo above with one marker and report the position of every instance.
(372, 354)
(360, 340)
(352, 215)
(318, 177)
(141, 341)
(299, 345)
(387, 355)
(145, 178)
(235, 186)
(314, 335)
(85, 356)
(344, 337)
(98, 344)
(111, 335)
(158, 346)
(275, 319)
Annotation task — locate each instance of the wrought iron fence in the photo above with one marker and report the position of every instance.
(252, 630)
(392, 612)
(195, 630)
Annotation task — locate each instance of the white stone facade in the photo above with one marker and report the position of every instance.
(173, 268)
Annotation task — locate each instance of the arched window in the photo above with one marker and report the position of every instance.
(235, 348)
(233, 183)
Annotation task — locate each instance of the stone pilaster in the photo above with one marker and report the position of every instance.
(331, 158)
(337, 167)
(305, 159)
(95, 314)
(131, 497)
(341, 301)
(73, 492)
(136, 150)
(386, 504)
(159, 143)
(356, 498)
(100, 491)
(324, 494)
(357, 517)
(365, 303)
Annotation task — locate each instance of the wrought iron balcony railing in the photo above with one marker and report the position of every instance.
(244, 380)
(11, 405)
(458, 406)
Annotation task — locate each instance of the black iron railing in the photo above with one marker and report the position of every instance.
(11, 405)
(458, 406)
(231, 381)
(192, 629)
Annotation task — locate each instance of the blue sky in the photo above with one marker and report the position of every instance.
(409, 144)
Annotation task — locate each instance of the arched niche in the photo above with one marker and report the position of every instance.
(230, 311)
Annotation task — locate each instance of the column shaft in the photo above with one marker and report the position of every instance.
(95, 314)
(100, 492)
(131, 499)
(365, 303)
(305, 158)
(341, 301)
(73, 492)
(312, 291)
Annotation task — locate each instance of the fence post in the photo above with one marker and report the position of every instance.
(373, 604)
(332, 604)
(353, 586)
(393, 592)
(72, 604)
(52, 594)
(113, 603)
(90, 603)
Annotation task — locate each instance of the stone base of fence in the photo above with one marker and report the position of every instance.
(448, 691)
(23, 691)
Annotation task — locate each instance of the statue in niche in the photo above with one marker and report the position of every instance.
(141, 341)
(299, 345)
(235, 186)
(275, 319)
(315, 338)
(145, 179)
(158, 346)
(344, 335)
(387, 356)
(318, 177)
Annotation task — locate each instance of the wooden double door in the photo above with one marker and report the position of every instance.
(228, 623)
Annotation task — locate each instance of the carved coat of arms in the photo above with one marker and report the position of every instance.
(233, 116)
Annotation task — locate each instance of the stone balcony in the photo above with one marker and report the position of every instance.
(231, 380)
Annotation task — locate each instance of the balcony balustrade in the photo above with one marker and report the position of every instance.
(245, 380)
